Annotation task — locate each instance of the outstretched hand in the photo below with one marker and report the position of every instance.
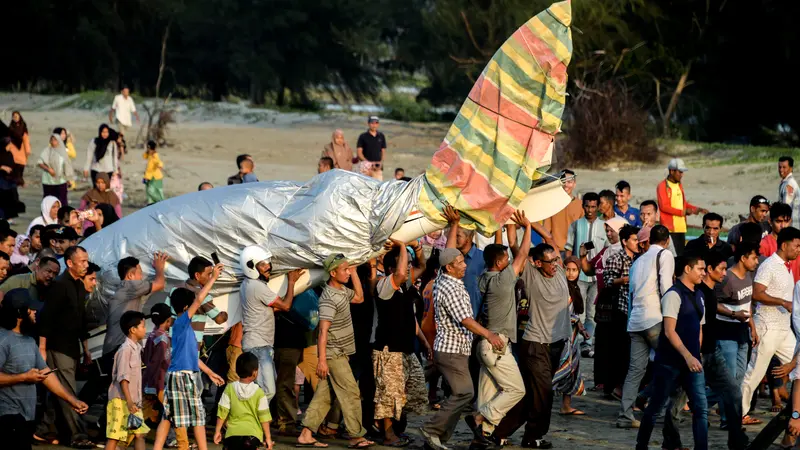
(451, 215)
(519, 218)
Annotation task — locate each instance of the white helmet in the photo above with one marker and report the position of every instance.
(250, 257)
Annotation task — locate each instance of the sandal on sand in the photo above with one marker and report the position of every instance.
(362, 444)
(748, 420)
(312, 444)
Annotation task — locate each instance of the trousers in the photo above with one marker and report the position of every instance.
(500, 384)
(455, 369)
(780, 343)
(340, 380)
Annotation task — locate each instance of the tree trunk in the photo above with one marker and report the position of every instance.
(256, 92)
(163, 64)
(673, 101)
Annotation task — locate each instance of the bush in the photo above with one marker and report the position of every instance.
(606, 127)
(407, 109)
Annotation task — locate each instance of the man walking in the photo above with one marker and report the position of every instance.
(259, 304)
(787, 191)
(677, 361)
(63, 327)
(587, 229)
(673, 204)
(622, 207)
(759, 209)
(772, 293)
(371, 148)
(500, 386)
(455, 326)
(122, 109)
(650, 278)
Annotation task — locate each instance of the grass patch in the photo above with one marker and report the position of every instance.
(721, 154)
(90, 100)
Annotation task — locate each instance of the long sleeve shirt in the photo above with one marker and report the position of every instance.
(108, 163)
(59, 162)
(154, 166)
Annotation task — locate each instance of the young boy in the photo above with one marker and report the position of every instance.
(245, 408)
(622, 206)
(156, 359)
(125, 392)
(182, 404)
(153, 177)
(247, 168)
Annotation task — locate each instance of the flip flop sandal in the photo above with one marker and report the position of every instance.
(402, 442)
(312, 444)
(748, 420)
(574, 412)
(362, 444)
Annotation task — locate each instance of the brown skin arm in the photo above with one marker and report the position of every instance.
(760, 295)
(285, 303)
(359, 290)
(453, 218)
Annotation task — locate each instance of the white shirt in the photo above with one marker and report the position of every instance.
(123, 108)
(644, 310)
(779, 281)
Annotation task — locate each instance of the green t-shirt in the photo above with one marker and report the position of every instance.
(245, 406)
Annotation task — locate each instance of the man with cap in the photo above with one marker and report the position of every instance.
(673, 204)
(259, 304)
(371, 149)
(335, 344)
(21, 369)
(759, 210)
(452, 346)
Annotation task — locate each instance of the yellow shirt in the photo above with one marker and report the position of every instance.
(154, 166)
(676, 201)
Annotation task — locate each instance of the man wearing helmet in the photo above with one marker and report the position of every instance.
(259, 304)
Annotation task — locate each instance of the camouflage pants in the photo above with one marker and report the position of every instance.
(399, 384)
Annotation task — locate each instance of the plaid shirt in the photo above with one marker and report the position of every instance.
(618, 265)
(451, 306)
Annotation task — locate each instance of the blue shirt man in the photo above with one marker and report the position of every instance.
(475, 268)
(622, 208)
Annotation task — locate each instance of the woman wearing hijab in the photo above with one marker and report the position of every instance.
(101, 193)
(339, 151)
(567, 380)
(56, 169)
(50, 207)
(67, 138)
(22, 251)
(101, 155)
(19, 135)
(104, 216)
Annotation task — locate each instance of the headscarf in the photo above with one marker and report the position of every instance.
(60, 150)
(45, 219)
(574, 289)
(95, 195)
(58, 131)
(17, 129)
(109, 217)
(100, 144)
(17, 257)
(342, 155)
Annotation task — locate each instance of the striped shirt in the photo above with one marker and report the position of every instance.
(334, 306)
(451, 306)
(207, 310)
(582, 231)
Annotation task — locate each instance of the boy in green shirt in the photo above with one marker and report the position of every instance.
(245, 408)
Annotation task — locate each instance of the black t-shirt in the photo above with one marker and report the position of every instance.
(372, 145)
(709, 344)
(699, 247)
(289, 332)
(397, 325)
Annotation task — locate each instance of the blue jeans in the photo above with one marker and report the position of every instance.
(735, 356)
(266, 369)
(666, 379)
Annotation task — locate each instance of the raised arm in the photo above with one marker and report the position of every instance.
(198, 299)
(521, 253)
(285, 303)
(453, 218)
(160, 265)
(359, 290)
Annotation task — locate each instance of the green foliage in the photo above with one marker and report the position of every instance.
(407, 109)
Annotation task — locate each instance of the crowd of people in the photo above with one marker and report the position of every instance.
(489, 330)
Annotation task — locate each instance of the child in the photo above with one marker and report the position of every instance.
(248, 166)
(156, 359)
(245, 408)
(125, 392)
(182, 404)
(153, 177)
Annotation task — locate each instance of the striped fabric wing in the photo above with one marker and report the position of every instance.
(487, 162)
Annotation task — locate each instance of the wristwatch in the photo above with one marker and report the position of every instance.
(795, 415)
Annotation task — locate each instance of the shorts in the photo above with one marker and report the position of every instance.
(117, 418)
(299, 377)
(182, 404)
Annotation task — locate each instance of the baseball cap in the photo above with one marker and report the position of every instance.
(644, 234)
(373, 119)
(677, 164)
(160, 311)
(65, 233)
(20, 298)
(332, 262)
(759, 200)
(616, 223)
(448, 255)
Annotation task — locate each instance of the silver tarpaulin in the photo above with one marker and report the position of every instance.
(300, 223)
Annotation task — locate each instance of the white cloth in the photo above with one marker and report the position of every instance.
(123, 108)
(787, 193)
(774, 274)
(644, 310)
